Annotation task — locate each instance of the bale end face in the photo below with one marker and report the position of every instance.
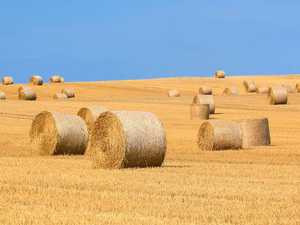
(2, 95)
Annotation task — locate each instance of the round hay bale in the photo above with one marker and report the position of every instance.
(205, 90)
(255, 132)
(297, 88)
(173, 93)
(55, 79)
(199, 111)
(206, 99)
(219, 135)
(60, 96)
(219, 74)
(27, 95)
(230, 91)
(2, 95)
(262, 90)
(289, 89)
(123, 139)
(277, 95)
(36, 80)
(69, 92)
(62, 80)
(20, 89)
(54, 133)
(7, 80)
(250, 87)
(246, 82)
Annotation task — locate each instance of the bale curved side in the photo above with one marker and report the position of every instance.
(36, 80)
(2, 95)
(27, 95)
(250, 87)
(297, 88)
(199, 111)
(123, 139)
(69, 92)
(55, 79)
(289, 89)
(230, 91)
(20, 89)
(62, 80)
(173, 93)
(60, 96)
(7, 80)
(205, 90)
(277, 95)
(219, 74)
(206, 99)
(54, 133)
(262, 90)
(219, 135)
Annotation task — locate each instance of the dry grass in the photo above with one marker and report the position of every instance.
(258, 185)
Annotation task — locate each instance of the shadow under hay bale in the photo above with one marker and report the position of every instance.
(230, 91)
(36, 80)
(54, 133)
(262, 90)
(219, 74)
(20, 89)
(219, 135)
(277, 95)
(173, 93)
(205, 90)
(289, 89)
(206, 99)
(199, 111)
(27, 95)
(255, 132)
(55, 79)
(60, 96)
(123, 139)
(7, 80)
(2, 95)
(69, 92)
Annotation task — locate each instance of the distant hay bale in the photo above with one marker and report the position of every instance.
(62, 80)
(230, 91)
(250, 86)
(173, 93)
(20, 89)
(277, 95)
(199, 111)
(55, 79)
(255, 132)
(54, 133)
(248, 82)
(297, 88)
(27, 95)
(60, 96)
(289, 89)
(123, 139)
(69, 92)
(206, 99)
(262, 90)
(219, 74)
(36, 80)
(205, 90)
(219, 135)
(7, 80)
(2, 95)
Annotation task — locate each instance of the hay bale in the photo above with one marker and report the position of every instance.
(255, 132)
(230, 91)
(60, 96)
(199, 111)
(205, 90)
(123, 139)
(20, 89)
(250, 86)
(262, 90)
(248, 82)
(219, 135)
(27, 95)
(2, 95)
(62, 80)
(206, 99)
(289, 89)
(36, 80)
(54, 133)
(69, 92)
(173, 93)
(7, 80)
(55, 79)
(219, 74)
(297, 88)
(277, 95)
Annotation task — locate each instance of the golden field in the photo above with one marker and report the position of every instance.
(257, 185)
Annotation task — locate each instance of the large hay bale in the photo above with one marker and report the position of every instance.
(7, 80)
(205, 90)
(20, 89)
(123, 139)
(289, 89)
(2, 95)
(262, 90)
(69, 92)
(60, 96)
(55, 79)
(206, 99)
(297, 88)
(219, 74)
(277, 95)
(173, 93)
(54, 133)
(250, 86)
(219, 135)
(62, 80)
(230, 91)
(27, 95)
(255, 132)
(36, 80)
(199, 111)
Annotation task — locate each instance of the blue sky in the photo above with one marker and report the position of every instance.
(133, 39)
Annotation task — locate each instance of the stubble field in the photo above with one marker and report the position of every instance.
(257, 185)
